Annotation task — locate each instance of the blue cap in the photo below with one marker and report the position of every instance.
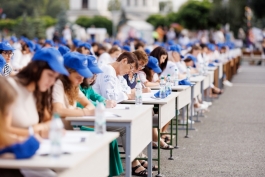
(85, 44)
(49, 42)
(2, 63)
(175, 48)
(6, 46)
(170, 42)
(147, 51)
(189, 56)
(76, 42)
(13, 38)
(211, 47)
(153, 64)
(53, 57)
(93, 65)
(126, 48)
(31, 45)
(78, 62)
(63, 49)
(37, 47)
(116, 42)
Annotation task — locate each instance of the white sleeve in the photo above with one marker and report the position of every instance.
(142, 77)
(125, 87)
(108, 84)
(58, 93)
(16, 59)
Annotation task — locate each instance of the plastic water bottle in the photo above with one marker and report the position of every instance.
(168, 84)
(55, 136)
(176, 77)
(188, 73)
(162, 88)
(100, 121)
(138, 93)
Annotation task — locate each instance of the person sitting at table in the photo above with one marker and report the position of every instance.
(108, 84)
(109, 57)
(2, 64)
(66, 91)
(161, 54)
(131, 78)
(84, 48)
(32, 111)
(6, 50)
(147, 78)
(86, 87)
(11, 145)
(174, 59)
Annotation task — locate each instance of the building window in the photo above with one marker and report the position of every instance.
(136, 2)
(144, 2)
(84, 4)
(128, 2)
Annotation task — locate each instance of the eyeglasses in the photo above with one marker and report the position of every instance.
(131, 67)
(8, 53)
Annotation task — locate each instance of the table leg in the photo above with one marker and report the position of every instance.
(128, 152)
(149, 153)
(177, 124)
(171, 137)
(187, 123)
(158, 150)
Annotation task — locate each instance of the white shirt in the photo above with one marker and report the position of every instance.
(16, 59)
(24, 61)
(143, 78)
(24, 111)
(109, 85)
(170, 69)
(182, 67)
(105, 59)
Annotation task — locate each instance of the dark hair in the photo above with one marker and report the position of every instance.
(157, 53)
(114, 49)
(138, 45)
(70, 91)
(187, 60)
(32, 73)
(149, 75)
(95, 44)
(85, 85)
(131, 58)
(203, 46)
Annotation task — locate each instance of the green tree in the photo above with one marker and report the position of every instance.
(97, 21)
(61, 20)
(157, 20)
(39, 26)
(24, 27)
(195, 15)
(15, 8)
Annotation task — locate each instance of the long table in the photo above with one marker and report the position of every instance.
(137, 120)
(84, 157)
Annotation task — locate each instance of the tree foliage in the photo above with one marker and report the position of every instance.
(97, 21)
(15, 8)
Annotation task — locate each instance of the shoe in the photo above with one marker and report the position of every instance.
(207, 103)
(185, 122)
(141, 173)
(165, 147)
(227, 83)
(154, 167)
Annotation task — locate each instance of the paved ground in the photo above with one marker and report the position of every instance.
(231, 139)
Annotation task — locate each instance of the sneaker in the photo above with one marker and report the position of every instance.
(227, 83)
(207, 103)
(184, 121)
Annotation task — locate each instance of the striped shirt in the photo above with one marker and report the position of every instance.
(7, 70)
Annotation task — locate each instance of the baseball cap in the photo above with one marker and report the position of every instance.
(63, 49)
(93, 65)
(85, 44)
(189, 56)
(153, 64)
(31, 45)
(53, 57)
(2, 63)
(50, 42)
(78, 62)
(126, 48)
(6, 46)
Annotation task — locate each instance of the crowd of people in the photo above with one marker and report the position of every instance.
(41, 78)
